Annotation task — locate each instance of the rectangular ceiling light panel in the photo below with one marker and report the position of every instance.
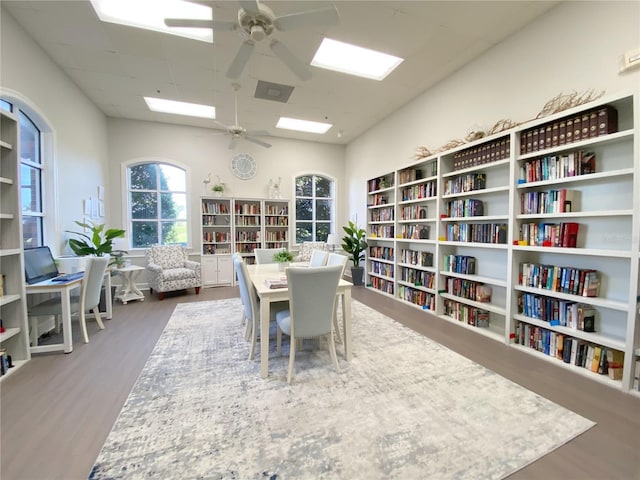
(180, 108)
(303, 125)
(150, 14)
(353, 60)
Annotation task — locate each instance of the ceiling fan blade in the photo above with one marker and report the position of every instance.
(240, 60)
(311, 18)
(193, 23)
(221, 125)
(250, 6)
(290, 60)
(258, 141)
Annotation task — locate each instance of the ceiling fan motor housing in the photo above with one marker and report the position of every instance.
(258, 27)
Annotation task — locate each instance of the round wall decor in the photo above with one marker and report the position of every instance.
(243, 166)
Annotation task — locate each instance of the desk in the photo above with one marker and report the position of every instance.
(258, 274)
(129, 290)
(64, 289)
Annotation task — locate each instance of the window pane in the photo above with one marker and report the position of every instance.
(304, 209)
(303, 232)
(143, 177)
(144, 205)
(172, 178)
(31, 231)
(173, 206)
(323, 187)
(323, 209)
(29, 140)
(322, 231)
(174, 232)
(304, 186)
(30, 190)
(144, 234)
(4, 105)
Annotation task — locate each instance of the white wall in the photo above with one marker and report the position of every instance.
(574, 47)
(204, 152)
(79, 130)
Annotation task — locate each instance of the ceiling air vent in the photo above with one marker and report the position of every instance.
(273, 91)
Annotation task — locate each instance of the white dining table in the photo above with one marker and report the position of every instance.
(259, 275)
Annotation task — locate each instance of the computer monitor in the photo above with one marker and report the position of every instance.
(39, 265)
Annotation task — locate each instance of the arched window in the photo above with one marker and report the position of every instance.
(31, 176)
(315, 207)
(157, 200)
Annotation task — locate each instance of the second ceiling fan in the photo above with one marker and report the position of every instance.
(258, 22)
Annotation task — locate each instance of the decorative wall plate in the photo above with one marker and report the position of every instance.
(243, 166)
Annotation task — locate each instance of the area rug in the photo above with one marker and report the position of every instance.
(405, 407)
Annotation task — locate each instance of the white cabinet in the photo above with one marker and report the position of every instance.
(14, 341)
(216, 270)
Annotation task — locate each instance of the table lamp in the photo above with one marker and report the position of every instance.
(333, 239)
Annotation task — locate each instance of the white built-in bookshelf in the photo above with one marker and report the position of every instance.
(238, 225)
(529, 236)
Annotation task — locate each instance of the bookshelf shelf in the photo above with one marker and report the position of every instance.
(520, 193)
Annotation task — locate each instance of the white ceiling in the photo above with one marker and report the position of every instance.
(116, 65)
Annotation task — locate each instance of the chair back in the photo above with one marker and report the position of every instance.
(337, 259)
(247, 291)
(318, 258)
(92, 282)
(167, 256)
(312, 296)
(265, 255)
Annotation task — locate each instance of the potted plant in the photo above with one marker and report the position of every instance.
(219, 187)
(355, 244)
(283, 259)
(98, 241)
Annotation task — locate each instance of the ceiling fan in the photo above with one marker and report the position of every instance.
(258, 22)
(236, 131)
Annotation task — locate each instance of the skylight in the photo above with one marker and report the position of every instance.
(180, 108)
(150, 14)
(303, 125)
(353, 60)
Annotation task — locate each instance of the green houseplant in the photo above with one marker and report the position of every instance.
(98, 241)
(283, 258)
(355, 244)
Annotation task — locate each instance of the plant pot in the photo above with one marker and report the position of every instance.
(282, 266)
(356, 275)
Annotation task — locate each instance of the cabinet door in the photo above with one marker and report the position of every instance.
(209, 270)
(225, 271)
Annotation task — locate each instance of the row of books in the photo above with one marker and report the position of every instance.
(416, 257)
(571, 350)
(381, 231)
(382, 214)
(247, 209)
(557, 312)
(215, 221)
(563, 234)
(476, 317)
(216, 249)
(419, 192)
(382, 284)
(415, 232)
(418, 173)
(276, 221)
(419, 278)
(216, 237)
(480, 154)
(247, 247)
(477, 232)
(385, 253)
(575, 281)
(242, 236)
(460, 264)
(590, 124)
(417, 297)
(466, 183)
(468, 289)
(550, 201)
(377, 199)
(468, 207)
(6, 362)
(247, 221)
(380, 183)
(215, 208)
(555, 167)
(278, 236)
(414, 212)
(277, 210)
(380, 268)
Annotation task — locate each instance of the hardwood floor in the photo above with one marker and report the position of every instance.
(57, 411)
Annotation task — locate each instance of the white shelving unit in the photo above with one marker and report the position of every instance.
(494, 196)
(217, 241)
(15, 339)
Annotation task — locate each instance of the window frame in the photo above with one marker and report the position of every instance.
(333, 183)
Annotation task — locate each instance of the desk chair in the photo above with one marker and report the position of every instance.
(318, 258)
(312, 298)
(88, 299)
(265, 255)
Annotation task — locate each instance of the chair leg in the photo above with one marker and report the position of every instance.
(332, 350)
(197, 290)
(278, 340)
(160, 295)
(254, 339)
(83, 327)
(247, 328)
(292, 358)
(96, 312)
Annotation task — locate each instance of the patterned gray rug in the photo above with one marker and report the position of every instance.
(403, 408)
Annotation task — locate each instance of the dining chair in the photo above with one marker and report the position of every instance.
(318, 258)
(337, 259)
(244, 296)
(265, 255)
(89, 298)
(312, 297)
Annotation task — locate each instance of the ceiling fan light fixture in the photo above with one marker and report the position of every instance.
(257, 33)
(353, 60)
(303, 125)
(180, 108)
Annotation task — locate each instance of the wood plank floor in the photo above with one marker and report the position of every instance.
(57, 411)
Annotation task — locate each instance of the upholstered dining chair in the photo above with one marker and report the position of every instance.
(170, 269)
(337, 259)
(244, 296)
(312, 297)
(89, 298)
(318, 258)
(265, 255)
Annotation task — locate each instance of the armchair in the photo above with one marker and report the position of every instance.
(170, 269)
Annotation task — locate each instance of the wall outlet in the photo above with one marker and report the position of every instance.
(630, 60)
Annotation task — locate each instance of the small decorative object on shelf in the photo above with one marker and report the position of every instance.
(219, 187)
(274, 188)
